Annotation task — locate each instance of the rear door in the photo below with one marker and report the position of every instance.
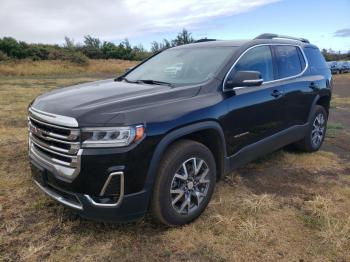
(298, 86)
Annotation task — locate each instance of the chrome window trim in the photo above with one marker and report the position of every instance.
(53, 118)
(267, 82)
(253, 80)
(121, 195)
(58, 197)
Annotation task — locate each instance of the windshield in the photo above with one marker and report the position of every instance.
(182, 66)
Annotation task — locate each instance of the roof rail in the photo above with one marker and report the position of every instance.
(204, 40)
(272, 36)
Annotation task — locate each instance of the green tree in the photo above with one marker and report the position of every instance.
(90, 41)
(155, 47)
(182, 38)
(110, 50)
(92, 47)
(69, 43)
(12, 48)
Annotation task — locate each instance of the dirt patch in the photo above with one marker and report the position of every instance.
(341, 86)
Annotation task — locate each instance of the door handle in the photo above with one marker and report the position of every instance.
(313, 85)
(276, 93)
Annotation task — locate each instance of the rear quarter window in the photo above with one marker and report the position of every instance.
(315, 58)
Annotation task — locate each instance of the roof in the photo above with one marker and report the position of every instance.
(216, 43)
(259, 40)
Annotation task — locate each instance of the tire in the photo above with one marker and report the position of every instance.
(172, 191)
(309, 142)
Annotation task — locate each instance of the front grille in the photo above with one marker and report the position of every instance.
(56, 145)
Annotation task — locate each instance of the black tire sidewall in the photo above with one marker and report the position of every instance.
(167, 173)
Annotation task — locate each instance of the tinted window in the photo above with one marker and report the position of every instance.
(257, 59)
(302, 59)
(315, 58)
(183, 66)
(288, 61)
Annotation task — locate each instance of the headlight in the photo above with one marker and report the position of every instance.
(111, 136)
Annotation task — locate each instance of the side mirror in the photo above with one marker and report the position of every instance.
(244, 78)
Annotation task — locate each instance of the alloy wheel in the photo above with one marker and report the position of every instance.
(318, 130)
(189, 186)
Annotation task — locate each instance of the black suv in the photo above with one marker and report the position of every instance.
(159, 137)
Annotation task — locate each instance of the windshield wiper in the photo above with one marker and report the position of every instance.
(121, 78)
(153, 82)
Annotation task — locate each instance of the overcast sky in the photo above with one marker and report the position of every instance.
(142, 21)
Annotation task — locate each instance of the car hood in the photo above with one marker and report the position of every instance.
(99, 102)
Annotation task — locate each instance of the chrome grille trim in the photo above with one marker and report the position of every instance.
(56, 166)
(71, 164)
(73, 135)
(54, 146)
(60, 198)
(53, 118)
(121, 192)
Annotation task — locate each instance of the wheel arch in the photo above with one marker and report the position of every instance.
(323, 100)
(198, 132)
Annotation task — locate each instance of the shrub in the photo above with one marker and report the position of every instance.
(140, 56)
(38, 52)
(12, 48)
(77, 58)
(3, 56)
(56, 55)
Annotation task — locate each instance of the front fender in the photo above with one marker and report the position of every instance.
(170, 138)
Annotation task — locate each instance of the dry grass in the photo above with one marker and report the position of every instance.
(318, 162)
(32, 68)
(333, 129)
(341, 76)
(287, 206)
(341, 102)
(332, 220)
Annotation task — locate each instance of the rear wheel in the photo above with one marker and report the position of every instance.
(185, 183)
(316, 131)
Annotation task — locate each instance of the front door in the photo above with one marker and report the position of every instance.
(254, 113)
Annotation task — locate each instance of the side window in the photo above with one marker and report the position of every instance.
(302, 59)
(315, 58)
(257, 59)
(288, 61)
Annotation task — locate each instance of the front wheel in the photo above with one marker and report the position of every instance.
(185, 183)
(316, 131)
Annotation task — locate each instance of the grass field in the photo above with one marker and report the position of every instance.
(286, 206)
(50, 68)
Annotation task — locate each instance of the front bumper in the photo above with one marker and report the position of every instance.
(129, 207)
(80, 178)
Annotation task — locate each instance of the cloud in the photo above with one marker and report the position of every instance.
(49, 21)
(342, 32)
